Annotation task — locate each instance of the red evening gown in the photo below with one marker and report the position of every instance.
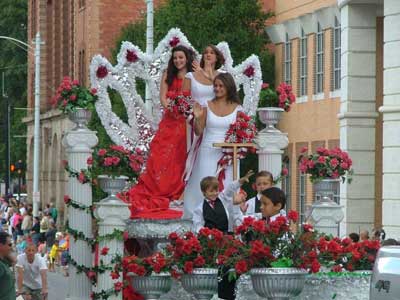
(162, 181)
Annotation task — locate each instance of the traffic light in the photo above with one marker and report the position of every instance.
(12, 168)
(19, 166)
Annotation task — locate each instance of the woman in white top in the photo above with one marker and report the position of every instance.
(212, 121)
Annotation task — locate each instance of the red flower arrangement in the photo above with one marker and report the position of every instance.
(243, 130)
(155, 263)
(70, 95)
(340, 255)
(275, 245)
(189, 251)
(181, 104)
(282, 97)
(116, 161)
(326, 163)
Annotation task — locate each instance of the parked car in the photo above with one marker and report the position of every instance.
(385, 281)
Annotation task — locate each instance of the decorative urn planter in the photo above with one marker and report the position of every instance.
(80, 117)
(112, 186)
(202, 283)
(278, 283)
(326, 213)
(153, 286)
(270, 116)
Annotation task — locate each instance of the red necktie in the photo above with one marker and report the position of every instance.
(212, 203)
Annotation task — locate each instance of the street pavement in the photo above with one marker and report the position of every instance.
(58, 286)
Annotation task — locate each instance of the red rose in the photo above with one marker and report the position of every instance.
(199, 261)
(308, 227)
(81, 177)
(249, 72)
(321, 159)
(241, 267)
(125, 235)
(284, 172)
(67, 199)
(264, 85)
(303, 150)
(89, 161)
(315, 266)
(131, 56)
(188, 267)
(91, 275)
(337, 268)
(102, 152)
(114, 275)
(334, 162)
(293, 215)
(93, 91)
(174, 41)
(104, 251)
(101, 72)
(118, 286)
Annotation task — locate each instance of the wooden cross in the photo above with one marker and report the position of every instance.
(235, 147)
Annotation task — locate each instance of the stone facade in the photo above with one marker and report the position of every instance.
(73, 31)
(349, 115)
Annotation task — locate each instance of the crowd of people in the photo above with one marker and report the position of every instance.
(31, 246)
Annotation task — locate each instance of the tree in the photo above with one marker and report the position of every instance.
(13, 62)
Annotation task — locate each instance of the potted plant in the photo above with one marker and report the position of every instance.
(273, 103)
(195, 259)
(114, 166)
(150, 276)
(279, 259)
(75, 100)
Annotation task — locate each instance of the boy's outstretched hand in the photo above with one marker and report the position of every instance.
(246, 177)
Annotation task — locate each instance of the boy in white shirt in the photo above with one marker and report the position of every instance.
(273, 201)
(32, 273)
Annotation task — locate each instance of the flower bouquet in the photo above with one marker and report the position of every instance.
(326, 163)
(70, 96)
(116, 161)
(181, 103)
(275, 245)
(243, 130)
(155, 263)
(282, 97)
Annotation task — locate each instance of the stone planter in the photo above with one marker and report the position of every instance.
(151, 287)
(278, 283)
(326, 213)
(81, 118)
(270, 116)
(202, 283)
(112, 186)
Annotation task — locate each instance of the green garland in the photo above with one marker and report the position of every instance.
(69, 202)
(87, 174)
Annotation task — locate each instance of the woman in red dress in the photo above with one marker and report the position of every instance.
(162, 180)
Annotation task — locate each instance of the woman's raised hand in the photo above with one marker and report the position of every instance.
(198, 111)
(196, 66)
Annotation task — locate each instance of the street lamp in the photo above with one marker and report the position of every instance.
(36, 135)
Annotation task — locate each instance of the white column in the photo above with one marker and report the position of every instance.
(270, 150)
(391, 119)
(79, 144)
(111, 215)
(358, 113)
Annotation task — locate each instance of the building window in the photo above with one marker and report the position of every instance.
(81, 4)
(336, 55)
(82, 67)
(303, 64)
(301, 205)
(288, 60)
(286, 183)
(319, 61)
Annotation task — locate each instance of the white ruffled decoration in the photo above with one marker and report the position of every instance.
(142, 124)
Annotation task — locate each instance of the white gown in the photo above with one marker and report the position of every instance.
(202, 93)
(207, 159)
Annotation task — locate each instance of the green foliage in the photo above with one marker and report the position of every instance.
(13, 62)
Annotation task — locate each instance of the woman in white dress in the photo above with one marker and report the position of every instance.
(212, 121)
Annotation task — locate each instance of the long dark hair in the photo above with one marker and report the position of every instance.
(172, 71)
(229, 83)
(218, 53)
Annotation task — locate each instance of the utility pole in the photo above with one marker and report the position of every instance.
(6, 137)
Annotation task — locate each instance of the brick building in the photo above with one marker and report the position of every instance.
(73, 31)
(340, 56)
